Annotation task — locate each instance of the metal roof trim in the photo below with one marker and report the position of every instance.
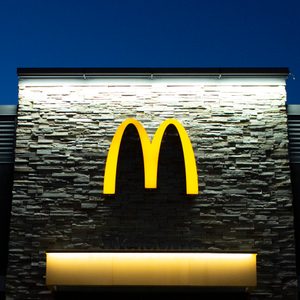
(276, 71)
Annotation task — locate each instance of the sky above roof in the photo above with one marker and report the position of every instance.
(156, 33)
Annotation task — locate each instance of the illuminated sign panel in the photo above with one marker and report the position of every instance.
(151, 269)
(151, 156)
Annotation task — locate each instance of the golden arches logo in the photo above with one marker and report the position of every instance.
(151, 156)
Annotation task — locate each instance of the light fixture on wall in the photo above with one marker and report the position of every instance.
(151, 269)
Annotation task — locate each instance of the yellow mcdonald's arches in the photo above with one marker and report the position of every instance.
(151, 156)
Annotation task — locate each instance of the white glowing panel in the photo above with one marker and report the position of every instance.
(151, 269)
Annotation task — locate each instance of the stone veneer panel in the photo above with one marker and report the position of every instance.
(238, 129)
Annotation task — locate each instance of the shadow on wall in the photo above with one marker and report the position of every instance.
(150, 293)
(149, 219)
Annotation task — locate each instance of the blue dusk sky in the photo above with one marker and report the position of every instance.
(156, 33)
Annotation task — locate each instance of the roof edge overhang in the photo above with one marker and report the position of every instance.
(131, 72)
(8, 110)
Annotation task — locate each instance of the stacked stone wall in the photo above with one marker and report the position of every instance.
(239, 135)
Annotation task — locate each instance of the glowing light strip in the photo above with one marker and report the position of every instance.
(151, 156)
(151, 269)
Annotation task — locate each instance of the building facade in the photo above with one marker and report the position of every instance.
(237, 123)
(7, 148)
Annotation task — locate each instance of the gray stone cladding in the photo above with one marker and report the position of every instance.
(239, 134)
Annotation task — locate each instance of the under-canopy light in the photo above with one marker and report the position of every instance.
(151, 269)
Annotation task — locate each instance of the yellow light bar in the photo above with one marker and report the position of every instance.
(151, 269)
